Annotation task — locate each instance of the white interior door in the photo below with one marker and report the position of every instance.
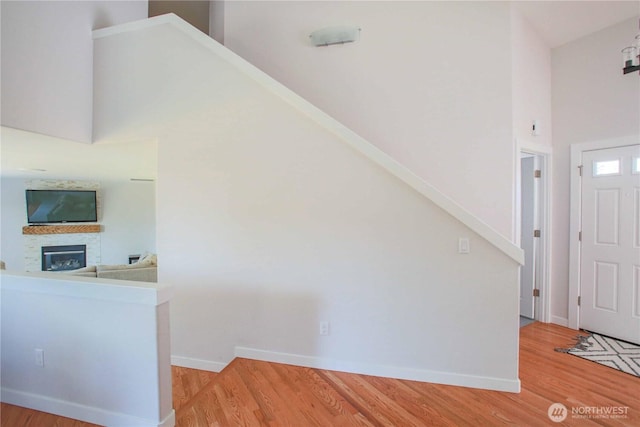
(610, 245)
(527, 241)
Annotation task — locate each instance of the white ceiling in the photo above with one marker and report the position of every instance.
(31, 155)
(560, 22)
(23, 153)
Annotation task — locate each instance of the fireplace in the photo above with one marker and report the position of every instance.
(67, 257)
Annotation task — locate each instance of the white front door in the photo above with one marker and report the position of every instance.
(610, 245)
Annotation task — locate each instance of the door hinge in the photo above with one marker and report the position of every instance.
(580, 170)
(536, 233)
(536, 292)
(537, 173)
(579, 236)
(578, 301)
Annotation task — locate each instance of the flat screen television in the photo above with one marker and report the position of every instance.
(56, 206)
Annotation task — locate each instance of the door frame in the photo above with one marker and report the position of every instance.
(542, 310)
(575, 217)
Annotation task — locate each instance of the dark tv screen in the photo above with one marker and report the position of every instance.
(54, 206)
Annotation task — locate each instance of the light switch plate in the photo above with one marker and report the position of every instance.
(463, 245)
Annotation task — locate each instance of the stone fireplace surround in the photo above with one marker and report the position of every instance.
(33, 243)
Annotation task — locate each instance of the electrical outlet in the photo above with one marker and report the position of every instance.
(39, 357)
(324, 328)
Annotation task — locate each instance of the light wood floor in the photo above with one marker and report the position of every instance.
(251, 393)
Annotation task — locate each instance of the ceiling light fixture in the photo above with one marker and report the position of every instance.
(631, 56)
(334, 35)
(32, 170)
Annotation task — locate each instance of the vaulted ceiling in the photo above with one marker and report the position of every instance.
(557, 22)
(560, 22)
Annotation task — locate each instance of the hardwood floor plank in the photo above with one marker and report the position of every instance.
(370, 412)
(254, 393)
(311, 411)
(381, 402)
(211, 408)
(262, 392)
(279, 391)
(187, 383)
(233, 398)
(259, 378)
(418, 404)
(15, 416)
(330, 397)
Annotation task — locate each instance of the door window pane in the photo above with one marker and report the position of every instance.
(636, 165)
(606, 167)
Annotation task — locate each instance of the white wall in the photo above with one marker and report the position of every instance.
(106, 349)
(127, 215)
(129, 220)
(269, 221)
(13, 212)
(216, 20)
(531, 74)
(293, 228)
(429, 83)
(592, 101)
(47, 62)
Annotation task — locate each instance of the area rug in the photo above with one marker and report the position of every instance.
(607, 351)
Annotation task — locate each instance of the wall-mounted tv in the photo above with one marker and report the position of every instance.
(55, 206)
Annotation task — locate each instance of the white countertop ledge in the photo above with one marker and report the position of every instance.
(142, 293)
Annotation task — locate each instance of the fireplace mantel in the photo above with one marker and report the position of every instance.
(61, 229)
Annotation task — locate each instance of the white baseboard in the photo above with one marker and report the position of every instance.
(204, 365)
(449, 378)
(169, 421)
(562, 321)
(76, 411)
